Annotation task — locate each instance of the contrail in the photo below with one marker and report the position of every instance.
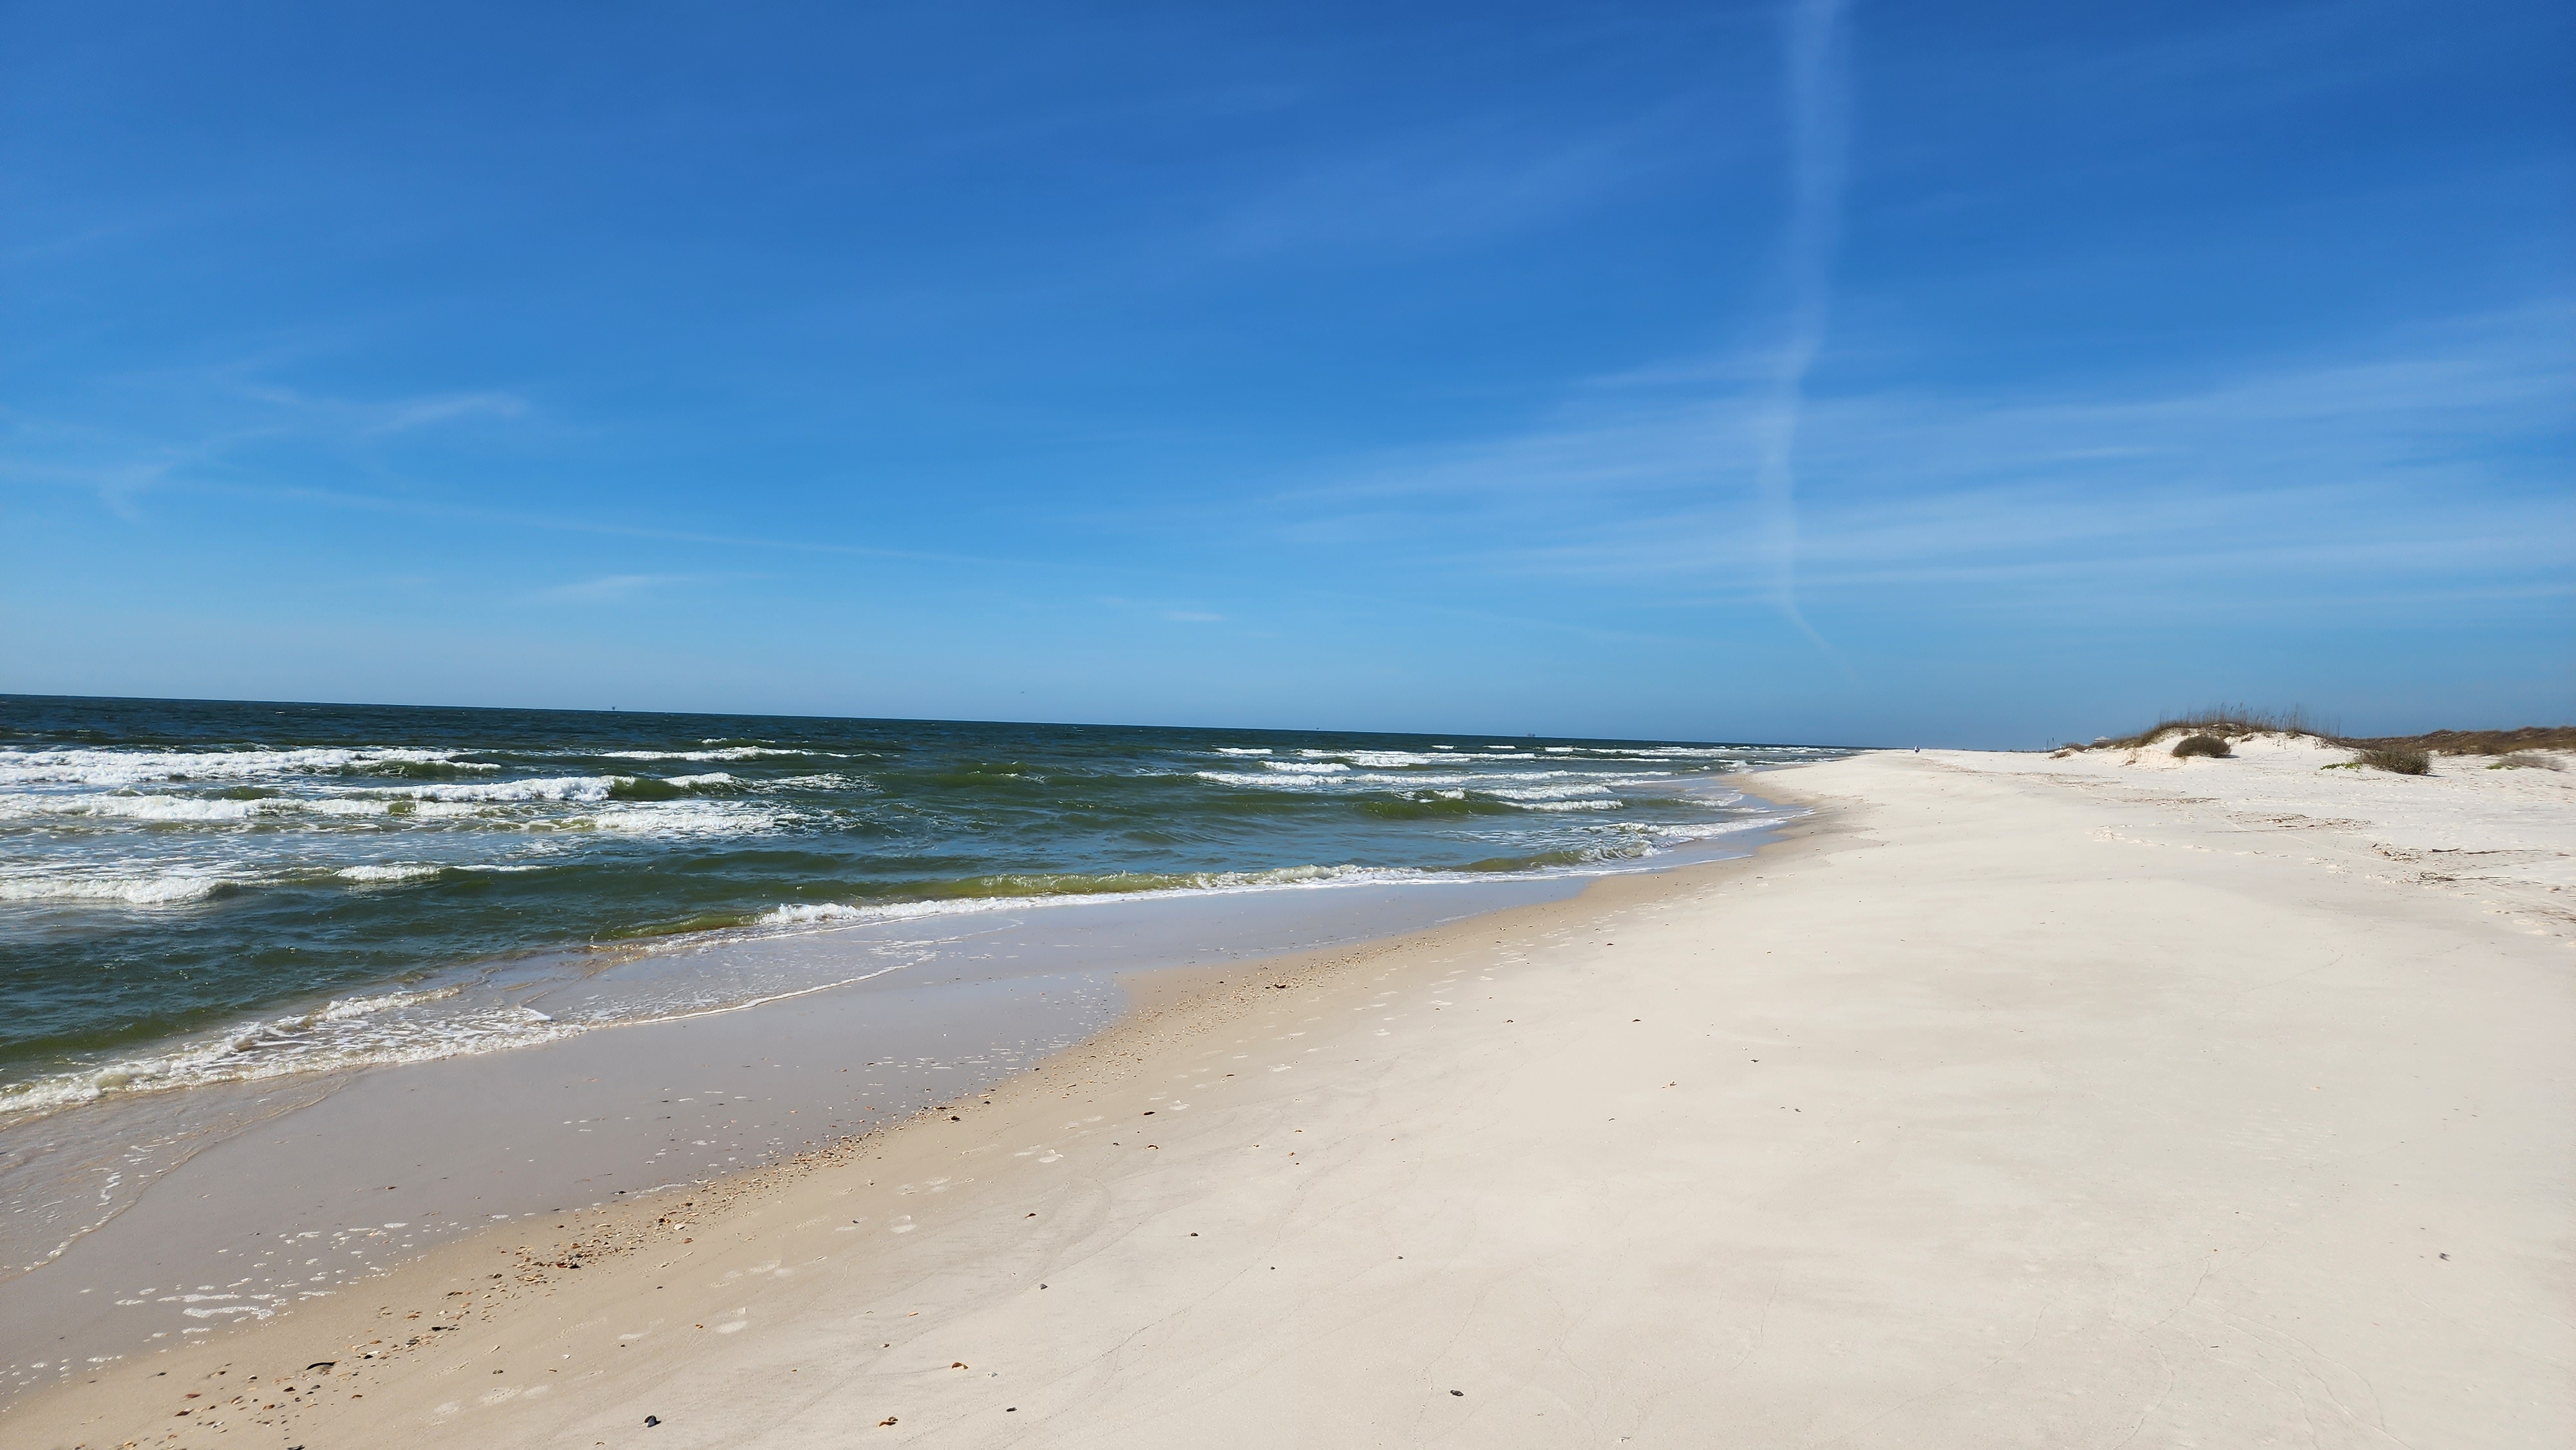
(1818, 122)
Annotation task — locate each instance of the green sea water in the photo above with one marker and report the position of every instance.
(194, 890)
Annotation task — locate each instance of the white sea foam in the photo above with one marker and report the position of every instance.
(1627, 845)
(809, 915)
(1287, 780)
(389, 875)
(1243, 750)
(344, 1009)
(686, 818)
(1289, 776)
(179, 809)
(1373, 759)
(1517, 792)
(458, 811)
(555, 788)
(355, 1031)
(730, 752)
(1706, 752)
(132, 807)
(326, 806)
(1701, 831)
(1188, 885)
(136, 767)
(172, 887)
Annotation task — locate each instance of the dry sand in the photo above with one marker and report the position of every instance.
(2011, 1101)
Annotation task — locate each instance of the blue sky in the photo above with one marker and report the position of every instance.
(1974, 374)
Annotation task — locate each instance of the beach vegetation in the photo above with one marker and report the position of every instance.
(2528, 760)
(2202, 745)
(2397, 760)
(2225, 723)
(2487, 742)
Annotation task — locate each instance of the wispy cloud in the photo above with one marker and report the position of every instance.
(119, 471)
(1439, 190)
(2439, 453)
(426, 412)
(473, 514)
(1174, 613)
(204, 422)
(212, 428)
(616, 588)
(328, 416)
(1818, 136)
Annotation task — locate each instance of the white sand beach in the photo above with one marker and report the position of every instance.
(2104, 1100)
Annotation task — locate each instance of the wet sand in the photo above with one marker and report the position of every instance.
(155, 1218)
(1984, 1110)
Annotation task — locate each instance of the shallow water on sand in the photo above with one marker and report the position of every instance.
(139, 1221)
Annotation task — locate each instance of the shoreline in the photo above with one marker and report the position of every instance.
(278, 1161)
(192, 896)
(586, 985)
(1150, 998)
(1860, 1139)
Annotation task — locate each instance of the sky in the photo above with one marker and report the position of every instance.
(1975, 374)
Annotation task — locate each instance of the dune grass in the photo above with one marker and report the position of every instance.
(2205, 745)
(2400, 753)
(2482, 742)
(2222, 721)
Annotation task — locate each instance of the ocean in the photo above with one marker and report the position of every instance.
(196, 892)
